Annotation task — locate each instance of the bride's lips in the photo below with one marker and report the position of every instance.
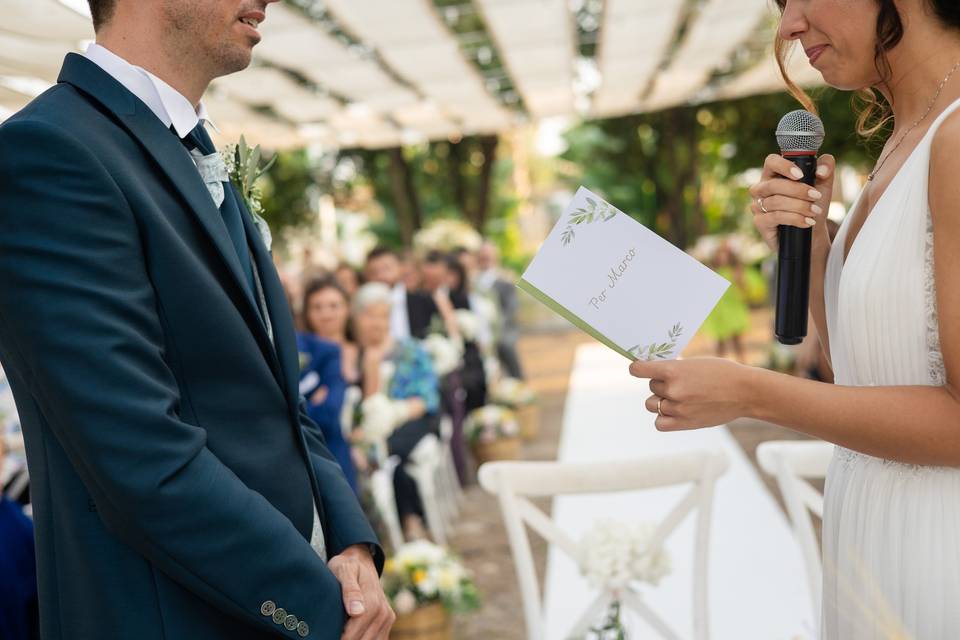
(813, 53)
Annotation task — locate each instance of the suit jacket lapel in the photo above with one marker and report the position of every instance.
(275, 299)
(172, 158)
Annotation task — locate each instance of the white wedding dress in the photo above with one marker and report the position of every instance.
(891, 531)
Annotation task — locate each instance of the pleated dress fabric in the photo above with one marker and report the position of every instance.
(891, 531)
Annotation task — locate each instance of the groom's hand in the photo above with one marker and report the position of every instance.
(363, 599)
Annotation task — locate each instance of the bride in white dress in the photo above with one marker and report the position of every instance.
(885, 297)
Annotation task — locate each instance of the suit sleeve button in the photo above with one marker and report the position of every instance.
(290, 622)
(268, 607)
(279, 616)
(303, 629)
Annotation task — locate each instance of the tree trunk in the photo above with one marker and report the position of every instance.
(679, 144)
(455, 168)
(409, 214)
(488, 146)
(398, 189)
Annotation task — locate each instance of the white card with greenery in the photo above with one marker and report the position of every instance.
(620, 282)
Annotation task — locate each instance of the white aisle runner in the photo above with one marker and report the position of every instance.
(757, 586)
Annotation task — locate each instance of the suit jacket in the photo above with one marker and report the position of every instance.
(421, 310)
(509, 304)
(174, 470)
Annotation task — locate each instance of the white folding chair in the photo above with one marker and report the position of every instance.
(451, 492)
(381, 488)
(424, 466)
(516, 482)
(793, 463)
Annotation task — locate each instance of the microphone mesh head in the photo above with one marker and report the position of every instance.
(800, 131)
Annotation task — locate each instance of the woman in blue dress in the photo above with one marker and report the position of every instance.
(322, 382)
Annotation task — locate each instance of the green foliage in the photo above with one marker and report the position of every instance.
(447, 181)
(676, 170)
(660, 351)
(286, 188)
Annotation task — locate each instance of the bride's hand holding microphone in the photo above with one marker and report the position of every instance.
(705, 392)
(781, 198)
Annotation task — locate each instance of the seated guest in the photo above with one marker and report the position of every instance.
(412, 311)
(474, 377)
(413, 386)
(410, 273)
(434, 275)
(490, 280)
(326, 315)
(323, 386)
(19, 616)
(348, 278)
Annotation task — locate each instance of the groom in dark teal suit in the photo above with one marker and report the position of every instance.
(180, 492)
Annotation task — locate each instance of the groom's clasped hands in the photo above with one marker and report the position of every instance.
(370, 615)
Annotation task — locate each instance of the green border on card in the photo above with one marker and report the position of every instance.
(571, 317)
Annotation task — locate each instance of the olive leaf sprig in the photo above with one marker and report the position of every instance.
(658, 351)
(243, 166)
(592, 212)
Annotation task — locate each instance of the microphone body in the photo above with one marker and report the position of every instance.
(799, 135)
(793, 268)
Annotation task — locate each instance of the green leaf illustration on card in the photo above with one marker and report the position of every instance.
(592, 212)
(659, 351)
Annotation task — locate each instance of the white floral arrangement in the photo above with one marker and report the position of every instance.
(488, 314)
(491, 423)
(447, 235)
(468, 323)
(422, 573)
(379, 416)
(446, 353)
(614, 554)
(512, 393)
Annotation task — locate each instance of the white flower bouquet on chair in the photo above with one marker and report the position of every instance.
(493, 433)
(613, 555)
(518, 397)
(445, 353)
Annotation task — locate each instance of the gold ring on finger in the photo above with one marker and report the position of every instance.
(760, 204)
(659, 412)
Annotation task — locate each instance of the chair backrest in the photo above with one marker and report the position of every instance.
(793, 463)
(515, 482)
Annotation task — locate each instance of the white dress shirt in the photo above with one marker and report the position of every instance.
(168, 104)
(172, 108)
(399, 320)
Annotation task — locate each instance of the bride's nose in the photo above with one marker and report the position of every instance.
(793, 22)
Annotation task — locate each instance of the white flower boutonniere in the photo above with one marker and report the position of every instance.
(243, 167)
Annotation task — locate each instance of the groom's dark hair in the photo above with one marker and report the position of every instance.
(101, 10)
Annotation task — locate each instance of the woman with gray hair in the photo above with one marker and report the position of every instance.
(413, 387)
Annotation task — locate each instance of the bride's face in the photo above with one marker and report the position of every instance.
(838, 36)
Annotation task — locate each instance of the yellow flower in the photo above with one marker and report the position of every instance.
(419, 576)
(448, 579)
(389, 566)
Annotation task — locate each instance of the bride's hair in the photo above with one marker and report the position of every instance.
(873, 111)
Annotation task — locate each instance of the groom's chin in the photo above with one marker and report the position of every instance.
(233, 58)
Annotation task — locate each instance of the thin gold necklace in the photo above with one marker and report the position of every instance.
(933, 101)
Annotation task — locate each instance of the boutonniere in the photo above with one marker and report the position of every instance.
(243, 167)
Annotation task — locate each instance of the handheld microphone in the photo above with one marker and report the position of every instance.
(799, 134)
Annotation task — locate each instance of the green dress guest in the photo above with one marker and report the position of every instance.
(730, 319)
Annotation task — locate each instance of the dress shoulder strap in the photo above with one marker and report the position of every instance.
(953, 106)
